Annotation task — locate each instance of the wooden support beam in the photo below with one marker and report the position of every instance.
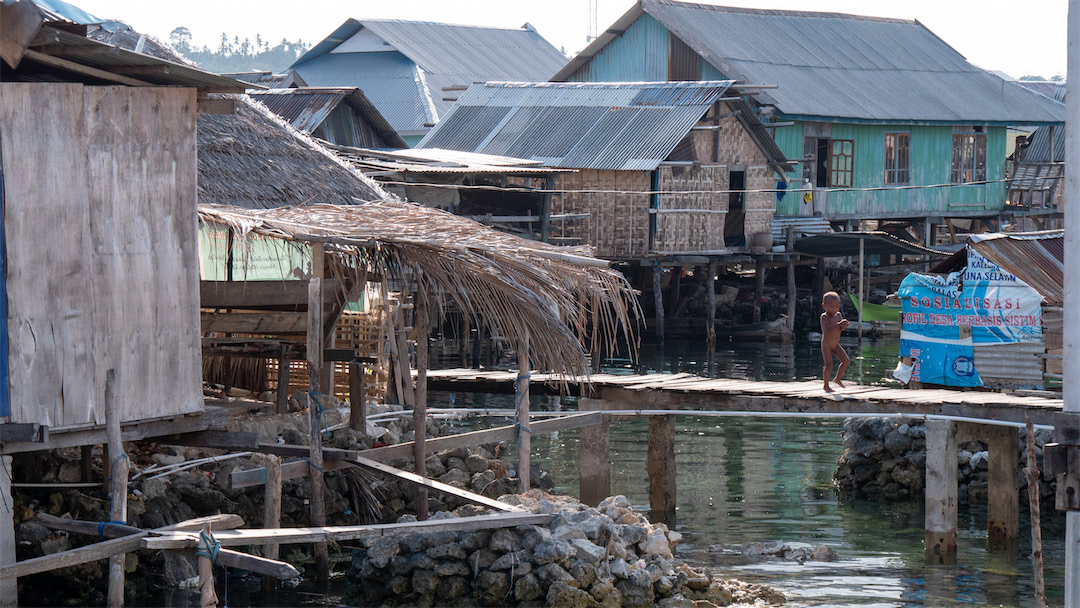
(235, 440)
(314, 338)
(661, 465)
(594, 461)
(282, 403)
(9, 588)
(271, 508)
(524, 433)
(237, 538)
(710, 308)
(74, 557)
(334, 457)
(207, 592)
(792, 296)
(357, 407)
(263, 295)
(83, 70)
(420, 409)
(941, 492)
(658, 300)
(434, 485)
(119, 466)
(24, 431)
(253, 322)
(1003, 497)
(759, 288)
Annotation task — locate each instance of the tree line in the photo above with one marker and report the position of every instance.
(235, 55)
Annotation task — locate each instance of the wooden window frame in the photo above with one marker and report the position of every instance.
(968, 164)
(897, 158)
(842, 163)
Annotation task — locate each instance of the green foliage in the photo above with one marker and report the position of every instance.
(235, 55)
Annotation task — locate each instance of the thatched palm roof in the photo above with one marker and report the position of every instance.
(519, 288)
(254, 159)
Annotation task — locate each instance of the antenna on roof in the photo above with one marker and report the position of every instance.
(592, 21)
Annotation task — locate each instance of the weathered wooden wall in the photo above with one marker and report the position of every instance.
(102, 261)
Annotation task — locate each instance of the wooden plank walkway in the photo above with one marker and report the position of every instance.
(686, 391)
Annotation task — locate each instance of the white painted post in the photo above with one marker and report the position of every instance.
(1072, 295)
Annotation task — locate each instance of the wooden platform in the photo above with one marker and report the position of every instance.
(686, 391)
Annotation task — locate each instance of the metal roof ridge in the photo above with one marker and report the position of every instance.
(782, 12)
(364, 22)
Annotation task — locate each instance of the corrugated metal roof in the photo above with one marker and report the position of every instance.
(619, 126)
(307, 108)
(446, 55)
(270, 80)
(437, 160)
(59, 11)
(830, 65)
(1037, 259)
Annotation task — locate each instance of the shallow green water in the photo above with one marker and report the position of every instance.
(742, 480)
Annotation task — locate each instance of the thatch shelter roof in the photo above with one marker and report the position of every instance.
(520, 289)
(254, 159)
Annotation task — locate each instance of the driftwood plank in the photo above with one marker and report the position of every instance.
(255, 322)
(74, 557)
(434, 485)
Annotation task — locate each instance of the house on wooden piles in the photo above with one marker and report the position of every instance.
(337, 115)
(888, 122)
(511, 194)
(257, 287)
(1037, 169)
(664, 169)
(98, 186)
(414, 70)
(990, 315)
(669, 174)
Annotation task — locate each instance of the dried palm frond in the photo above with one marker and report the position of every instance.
(519, 289)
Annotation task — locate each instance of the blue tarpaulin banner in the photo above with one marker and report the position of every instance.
(945, 316)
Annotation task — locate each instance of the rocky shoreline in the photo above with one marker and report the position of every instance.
(636, 566)
(885, 459)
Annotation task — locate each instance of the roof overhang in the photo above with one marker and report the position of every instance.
(844, 244)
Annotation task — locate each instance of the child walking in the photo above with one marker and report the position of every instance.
(832, 324)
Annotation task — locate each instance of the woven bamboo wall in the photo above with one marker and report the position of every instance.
(363, 331)
(618, 225)
(691, 231)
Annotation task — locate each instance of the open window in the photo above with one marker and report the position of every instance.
(829, 163)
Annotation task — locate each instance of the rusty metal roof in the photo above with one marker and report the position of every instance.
(1036, 258)
(306, 108)
(580, 125)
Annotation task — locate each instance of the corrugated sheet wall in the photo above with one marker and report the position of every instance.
(1016, 365)
(931, 155)
(640, 54)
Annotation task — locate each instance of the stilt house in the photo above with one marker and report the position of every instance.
(887, 120)
(663, 169)
(412, 70)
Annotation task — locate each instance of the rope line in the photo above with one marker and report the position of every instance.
(208, 546)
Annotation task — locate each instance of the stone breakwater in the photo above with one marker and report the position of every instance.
(885, 459)
(603, 556)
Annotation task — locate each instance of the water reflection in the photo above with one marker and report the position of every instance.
(743, 480)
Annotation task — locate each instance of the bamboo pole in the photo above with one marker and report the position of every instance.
(421, 317)
(1032, 472)
(710, 305)
(658, 300)
(207, 594)
(314, 356)
(271, 510)
(118, 476)
(522, 396)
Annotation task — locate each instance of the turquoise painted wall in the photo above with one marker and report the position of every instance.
(641, 54)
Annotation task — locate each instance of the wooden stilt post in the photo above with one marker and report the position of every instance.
(207, 594)
(1003, 498)
(759, 287)
(271, 510)
(819, 282)
(86, 463)
(658, 300)
(1032, 474)
(594, 462)
(941, 492)
(710, 306)
(661, 465)
(524, 439)
(314, 361)
(423, 322)
(357, 409)
(118, 478)
(862, 282)
(9, 588)
(282, 406)
(792, 295)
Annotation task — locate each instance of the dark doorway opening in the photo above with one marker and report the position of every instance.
(735, 220)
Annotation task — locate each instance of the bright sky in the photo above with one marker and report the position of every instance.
(1017, 38)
